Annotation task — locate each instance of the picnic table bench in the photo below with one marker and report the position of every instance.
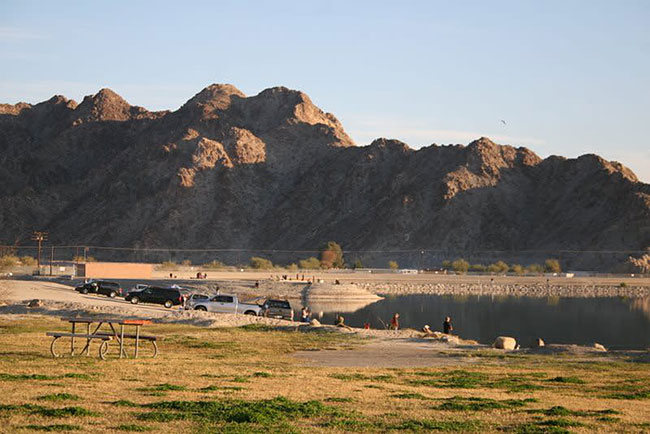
(105, 336)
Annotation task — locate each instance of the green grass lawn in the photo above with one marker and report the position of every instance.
(246, 379)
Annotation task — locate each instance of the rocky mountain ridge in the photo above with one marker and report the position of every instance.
(273, 171)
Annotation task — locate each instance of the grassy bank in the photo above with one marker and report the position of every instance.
(246, 380)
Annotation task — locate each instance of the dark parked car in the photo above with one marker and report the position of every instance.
(277, 309)
(110, 289)
(153, 294)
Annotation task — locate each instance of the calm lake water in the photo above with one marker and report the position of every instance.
(617, 323)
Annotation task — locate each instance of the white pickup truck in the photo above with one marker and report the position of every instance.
(221, 303)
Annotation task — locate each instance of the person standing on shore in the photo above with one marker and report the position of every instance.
(447, 327)
(394, 322)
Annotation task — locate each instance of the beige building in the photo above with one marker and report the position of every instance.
(114, 270)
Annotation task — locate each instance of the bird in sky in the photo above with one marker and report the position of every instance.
(503, 122)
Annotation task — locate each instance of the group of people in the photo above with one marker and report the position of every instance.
(447, 327)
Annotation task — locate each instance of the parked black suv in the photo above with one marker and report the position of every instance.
(153, 294)
(110, 289)
(277, 309)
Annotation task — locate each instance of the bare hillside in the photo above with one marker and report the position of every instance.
(273, 171)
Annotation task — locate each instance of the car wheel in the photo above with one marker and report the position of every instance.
(135, 300)
(112, 294)
(84, 291)
(250, 312)
(168, 304)
(201, 308)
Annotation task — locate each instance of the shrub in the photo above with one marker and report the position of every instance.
(460, 265)
(168, 265)
(446, 264)
(8, 261)
(478, 267)
(28, 260)
(80, 258)
(213, 265)
(498, 267)
(331, 256)
(623, 285)
(357, 264)
(516, 268)
(309, 263)
(552, 266)
(186, 262)
(502, 267)
(393, 265)
(260, 263)
(534, 268)
(292, 267)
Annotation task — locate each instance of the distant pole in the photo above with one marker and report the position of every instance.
(51, 259)
(39, 236)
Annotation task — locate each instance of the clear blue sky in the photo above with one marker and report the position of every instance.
(568, 77)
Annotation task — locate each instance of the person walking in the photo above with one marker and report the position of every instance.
(446, 326)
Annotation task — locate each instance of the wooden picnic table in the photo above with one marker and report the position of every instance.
(105, 336)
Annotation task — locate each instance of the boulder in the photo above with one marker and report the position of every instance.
(599, 347)
(450, 339)
(505, 343)
(34, 303)
(537, 343)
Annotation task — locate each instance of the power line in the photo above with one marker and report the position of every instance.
(252, 249)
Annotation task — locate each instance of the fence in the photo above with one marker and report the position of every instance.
(603, 260)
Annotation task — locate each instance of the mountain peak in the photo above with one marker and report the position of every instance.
(483, 144)
(391, 144)
(105, 105)
(214, 97)
(485, 156)
(14, 109)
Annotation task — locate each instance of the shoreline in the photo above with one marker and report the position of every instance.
(60, 301)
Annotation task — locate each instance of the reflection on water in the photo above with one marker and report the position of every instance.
(642, 304)
(613, 322)
(331, 306)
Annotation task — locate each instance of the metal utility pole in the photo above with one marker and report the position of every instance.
(51, 259)
(39, 236)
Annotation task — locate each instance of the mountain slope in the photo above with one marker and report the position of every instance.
(273, 171)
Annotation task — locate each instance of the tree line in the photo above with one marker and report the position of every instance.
(460, 265)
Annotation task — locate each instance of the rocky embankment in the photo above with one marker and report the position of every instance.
(517, 290)
(270, 288)
(294, 290)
